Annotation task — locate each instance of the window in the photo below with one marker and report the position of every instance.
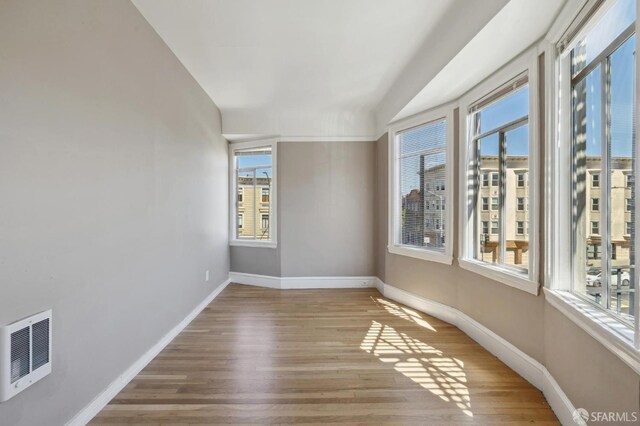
(500, 131)
(519, 227)
(595, 127)
(494, 227)
(485, 179)
(485, 227)
(485, 203)
(420, 178)
(252, 167)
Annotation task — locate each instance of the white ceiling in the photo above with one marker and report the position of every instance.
(330, 68)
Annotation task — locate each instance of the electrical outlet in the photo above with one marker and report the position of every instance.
(206, 275)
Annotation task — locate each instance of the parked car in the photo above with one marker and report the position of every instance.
(594, 278)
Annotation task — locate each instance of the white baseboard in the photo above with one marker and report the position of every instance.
(286, 283)
(527, 367)
(95, 406)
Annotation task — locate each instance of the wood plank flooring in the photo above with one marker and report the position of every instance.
(263, 356)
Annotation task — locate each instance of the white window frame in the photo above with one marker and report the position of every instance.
(529, 282)
(441, 113)
(233, 189)
(621, 340)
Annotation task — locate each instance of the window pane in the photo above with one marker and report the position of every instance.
(516, 187)
(613, 23)
(621, 197)
(253, 204)
(507, 109)
(487, 243)
(422, 186)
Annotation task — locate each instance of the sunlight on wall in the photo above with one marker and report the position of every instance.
(441, 375)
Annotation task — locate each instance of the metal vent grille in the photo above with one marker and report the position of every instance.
(40, 338)
(20, 354)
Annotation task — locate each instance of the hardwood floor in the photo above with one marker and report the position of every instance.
(264, 356)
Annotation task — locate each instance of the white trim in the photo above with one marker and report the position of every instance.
(613, 335)
(418, 253)
(501, 275)
(328, 139)
(526, 62)
(445, 113)
(296, 283)
(527, 367)
(102, 399)
(273, 201)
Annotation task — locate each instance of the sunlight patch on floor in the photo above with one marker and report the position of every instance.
(441, 375)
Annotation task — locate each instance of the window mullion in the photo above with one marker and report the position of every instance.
(502, 182)
(606, 191)
(255, 204)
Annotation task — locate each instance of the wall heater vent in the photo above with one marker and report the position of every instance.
(25, 353)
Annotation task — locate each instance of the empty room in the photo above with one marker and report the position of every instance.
(364, 212)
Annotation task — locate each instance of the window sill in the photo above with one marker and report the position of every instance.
(501, 275)
(253, 243)
(422, 254)
(612, 334)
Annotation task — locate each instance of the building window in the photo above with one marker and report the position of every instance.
(420, 174)
(485, 179)
(494, 227)
(485, 227)
(485, 203)
(499, 139)
(253, 177)
(600, 69)
(629, 229)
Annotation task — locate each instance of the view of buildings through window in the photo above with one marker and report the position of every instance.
(603, 79)
(254, 187)
(423, 175)
(501, 135)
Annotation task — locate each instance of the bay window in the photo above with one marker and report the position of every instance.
(420, 152)
(592, 219)
(500, 130)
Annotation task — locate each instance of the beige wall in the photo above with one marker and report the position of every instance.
(326, 204)
(112, 177)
